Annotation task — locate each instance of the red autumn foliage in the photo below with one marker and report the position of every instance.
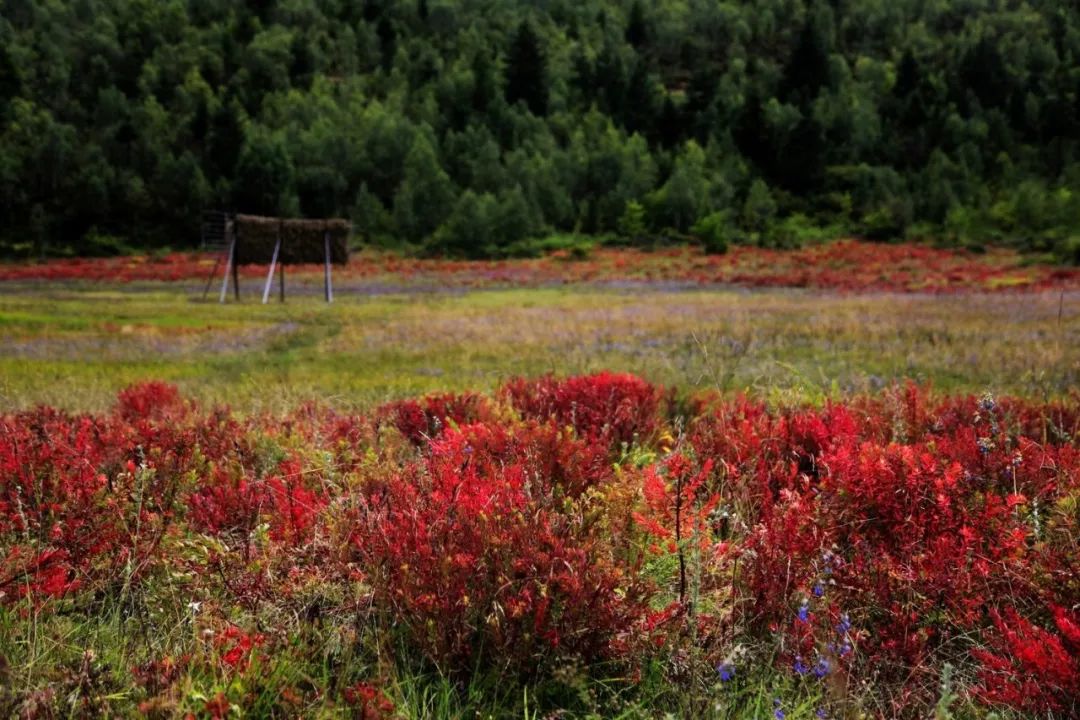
(154, 400)
(236, 647)
(473, 553)
(421, 420)
(234, 504)
(914, 517)
(1029, 668)
(370, 702)
(612, 407)
(878, 538)
(844, 265)
(217, 707)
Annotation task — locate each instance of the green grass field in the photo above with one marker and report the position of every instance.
(74, 347)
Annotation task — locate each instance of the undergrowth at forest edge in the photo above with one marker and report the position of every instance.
(593, 545)
(843, 265)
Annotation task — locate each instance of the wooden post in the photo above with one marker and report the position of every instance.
(210, 277)
(273, 264)
(328, 287)
(235, 275)
(230, 265)
(226, 236)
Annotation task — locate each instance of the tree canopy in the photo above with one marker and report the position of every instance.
(431, 123)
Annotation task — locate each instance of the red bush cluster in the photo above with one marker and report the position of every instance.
(1029, 668)
(878, 538)
(475, 552)
(150, 400)
(614, 408)
(421, 420)
(918, 524)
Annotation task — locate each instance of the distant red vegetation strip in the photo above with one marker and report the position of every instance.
(847, 265)
(868, 542)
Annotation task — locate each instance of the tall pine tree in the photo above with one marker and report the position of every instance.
(807, 70)
(637, 28)
(526, 71)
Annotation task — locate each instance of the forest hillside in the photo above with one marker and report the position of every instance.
(487, 128)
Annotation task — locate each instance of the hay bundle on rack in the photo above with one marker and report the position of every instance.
(302, 241)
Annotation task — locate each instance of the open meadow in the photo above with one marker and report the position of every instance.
(825, 322)
(494, 492)
(683, 359)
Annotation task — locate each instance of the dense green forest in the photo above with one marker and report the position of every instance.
(477, 127)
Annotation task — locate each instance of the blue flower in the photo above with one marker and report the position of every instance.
(778, 713)
(845, 649)
(804, 611)
(726, 670)
(800, 666)
(819, 590)
(820, 713)
(822, 668)
(844, 625)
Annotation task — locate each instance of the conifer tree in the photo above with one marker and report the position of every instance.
(637, 28)
(526, 71)
(807, 70)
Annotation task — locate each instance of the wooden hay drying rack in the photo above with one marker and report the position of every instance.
(255, 239)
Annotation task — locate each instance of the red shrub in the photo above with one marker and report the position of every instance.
(228, 503)
(909, 514)
(369, 702)
(150, 400)
(1031, 669)
(236, 647)
(54, 513)
(881, 537)
(477, 561)
(233, 503)
(421, 420)
(614, 407)
(552, 458)
(560, 460)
